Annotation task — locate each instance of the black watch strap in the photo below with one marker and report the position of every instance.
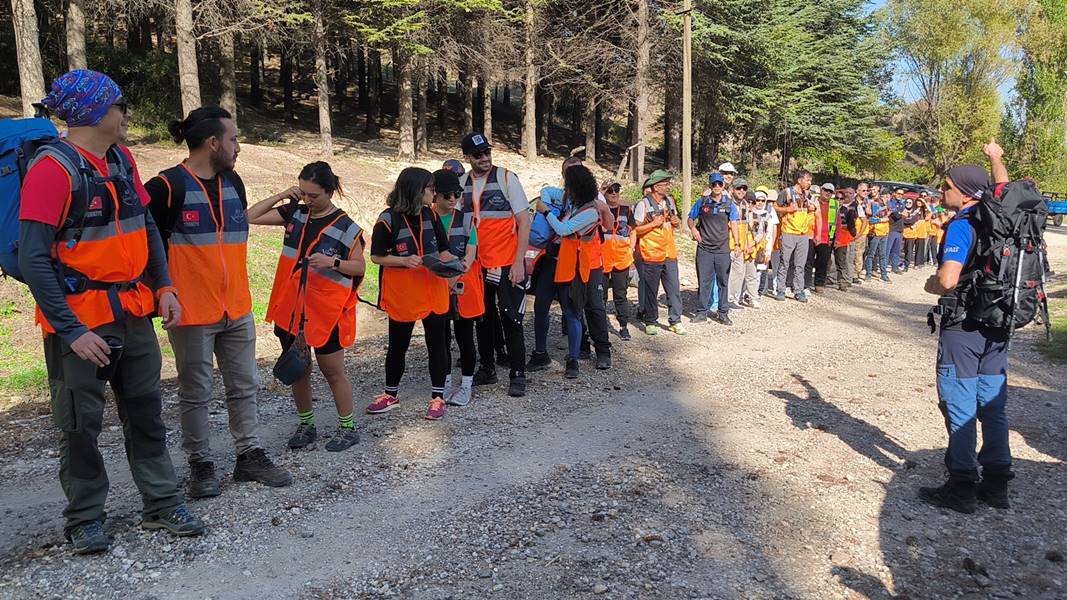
(336, 263)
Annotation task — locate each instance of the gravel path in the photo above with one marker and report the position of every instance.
(775, 459)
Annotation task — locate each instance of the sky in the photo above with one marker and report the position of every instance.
(903, 87)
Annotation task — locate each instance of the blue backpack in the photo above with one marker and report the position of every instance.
(22, 143)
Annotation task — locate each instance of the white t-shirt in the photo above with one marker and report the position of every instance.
(641, 212)
(515, 192)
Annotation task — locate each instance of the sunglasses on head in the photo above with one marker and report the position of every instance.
(480, 153)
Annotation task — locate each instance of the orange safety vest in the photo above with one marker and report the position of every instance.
(497, 236)
(108, 246)
(208, 252)
(471, 303)
(658, 245)
(799, 222)
(580, 253)
(617, 252)
(329, 299)
(409, 295)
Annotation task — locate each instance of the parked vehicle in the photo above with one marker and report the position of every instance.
(1057, 207)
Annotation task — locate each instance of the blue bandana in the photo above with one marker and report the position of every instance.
(81, 98)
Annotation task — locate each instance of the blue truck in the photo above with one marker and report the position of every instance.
(1057, 207)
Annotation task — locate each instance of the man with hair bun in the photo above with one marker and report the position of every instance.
(200, 207)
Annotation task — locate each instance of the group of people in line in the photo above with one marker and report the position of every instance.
(458, 249)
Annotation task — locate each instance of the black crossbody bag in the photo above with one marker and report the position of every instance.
(296, 360)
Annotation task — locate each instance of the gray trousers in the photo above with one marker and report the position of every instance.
(794, 254)
(233, 344)
(742, 278)
(652, 274)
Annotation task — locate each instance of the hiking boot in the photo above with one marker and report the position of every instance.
(89, 538)
(202, 480)
(780, 296)
(678, 329)
(957, 495)
(734, 306)
(517, 386)
(539, 361)
(571, 372)
(485, 375)
(885, 278)
(857, 281)
(624, 334)
(342, 439)
(382, 403)
(585, 354)
(255, 465)
(700, 317)
(724, 319)
(603, 361)
(435, 410)
(179, 522)
(651, 330)
(993, 490)
(819, 289)
(756, 304)
(304, 436)
(461, 396)
(843, 286)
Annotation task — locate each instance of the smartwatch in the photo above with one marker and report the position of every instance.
(336, 263)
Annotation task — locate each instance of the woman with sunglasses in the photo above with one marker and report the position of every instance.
(467, 300)
(618, 255)
(406, 233)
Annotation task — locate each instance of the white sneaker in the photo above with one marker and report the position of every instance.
(755, 303)
(460, 397)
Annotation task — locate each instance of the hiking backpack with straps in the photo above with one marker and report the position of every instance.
(24, 142)
(1005, 290)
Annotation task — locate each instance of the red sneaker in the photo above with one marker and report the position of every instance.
(383, 403)
(436, 410)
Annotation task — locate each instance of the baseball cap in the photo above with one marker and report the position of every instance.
(445, 181)
(739, 182)
(715, 178)
(455, 166)
(829, 187)
(727, 167)
(475, 142)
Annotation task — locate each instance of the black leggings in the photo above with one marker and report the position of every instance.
(468, 355)
(435, 327)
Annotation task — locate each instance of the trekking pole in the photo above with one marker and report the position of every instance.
(1015, 294)
(1043, 298)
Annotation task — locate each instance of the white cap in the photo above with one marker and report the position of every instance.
(727, 167)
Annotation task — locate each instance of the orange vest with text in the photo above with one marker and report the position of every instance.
(409, 295)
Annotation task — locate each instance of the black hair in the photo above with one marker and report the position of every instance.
(801, 174)
(322, 175)
(581, 184)
(406, 197)
(201, 124)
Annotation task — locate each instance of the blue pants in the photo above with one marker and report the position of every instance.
(894, 245)
(875, 255)
(572, 320)
(972, 386)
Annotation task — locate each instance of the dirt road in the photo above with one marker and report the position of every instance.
(775, 459)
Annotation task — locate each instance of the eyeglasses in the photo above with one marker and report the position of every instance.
(480, 153)
(123, 105)
(448, 195)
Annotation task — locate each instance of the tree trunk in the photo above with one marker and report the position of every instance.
(422, 144)
(641, 90)
(285, 73)
(322, 81)
(442, 103)
(379, 89)
(340, 80)
(590, 130)
(546, 122)
(361, 76)
(31, 73)
(505, 96)
(133, 35)
(487, 108)
(76, 35)
(598, 123)
(188, 72)
(228, 99)
(529, 94)
(160, 30)
(146, 32)
(672, 126)
(255, 74)
(374, 90)
(403, 90)
(468, 103)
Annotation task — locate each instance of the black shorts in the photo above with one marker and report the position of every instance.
(332, 345)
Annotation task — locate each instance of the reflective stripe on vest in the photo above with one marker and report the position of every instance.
(208, 253)
(110, 245)
(617, 252)
(330, 298)
(409, 295)
(497, 238)
(657, 245)
(471, 303)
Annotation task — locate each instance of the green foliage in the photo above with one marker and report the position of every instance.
(147, 81)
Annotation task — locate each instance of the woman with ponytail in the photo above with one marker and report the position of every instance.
(325, 246)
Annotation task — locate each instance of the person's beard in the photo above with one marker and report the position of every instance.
(222, 161)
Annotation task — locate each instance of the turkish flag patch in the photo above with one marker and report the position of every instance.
(97, 203)
(290, 227)
(190, 216)
(402, 247)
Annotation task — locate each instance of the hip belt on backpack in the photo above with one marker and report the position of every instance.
(74, 283)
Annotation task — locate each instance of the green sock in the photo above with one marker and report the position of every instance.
(346, 421)
(307, 418)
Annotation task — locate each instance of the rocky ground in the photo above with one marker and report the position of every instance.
(775, 459)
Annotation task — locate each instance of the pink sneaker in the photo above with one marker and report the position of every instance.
(383, 403)
(436, 410)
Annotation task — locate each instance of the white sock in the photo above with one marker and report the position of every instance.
(468, 382)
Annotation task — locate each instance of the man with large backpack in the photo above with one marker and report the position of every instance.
(989, 283)
(93, 259)
(199, 206)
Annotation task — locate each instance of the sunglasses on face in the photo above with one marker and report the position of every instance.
(717, 184)
(450, 195)
(743, 188)
(477, 155)
(614, 189)
(123, 105)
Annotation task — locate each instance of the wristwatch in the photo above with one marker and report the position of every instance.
(336, 263)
